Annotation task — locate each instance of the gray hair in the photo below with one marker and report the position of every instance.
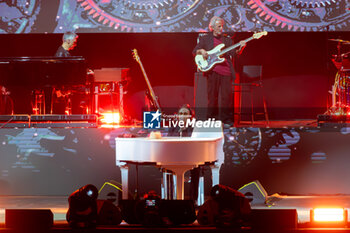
(213, 21)
(69, 36)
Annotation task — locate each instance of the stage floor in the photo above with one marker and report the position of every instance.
(139, 124)
(279, 123)
(261, 123)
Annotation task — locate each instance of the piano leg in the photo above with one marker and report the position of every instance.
(179, 171)
(164, 186)
(125, 185)
(215, 174)
(200, 199)
(168, 182)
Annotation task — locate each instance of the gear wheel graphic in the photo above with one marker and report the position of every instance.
(285, 16)
(147, 4)
(313, 3)
(143, 15)
(242, 145)
(228, 10)
(18, 16)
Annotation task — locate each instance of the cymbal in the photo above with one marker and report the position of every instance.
(341, 41)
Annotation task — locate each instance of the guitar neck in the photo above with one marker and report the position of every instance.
(234, 46)
(153, 96)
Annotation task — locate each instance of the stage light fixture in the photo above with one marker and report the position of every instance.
(82, 212)
(110, 119)
(328, 217)
(148, 211)
(152, 211)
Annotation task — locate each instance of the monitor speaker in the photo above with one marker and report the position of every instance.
(274, 218)
(108, 213)
(28, 218)
(179, 211)
(254, 192)
(127, 208)
(110, 192)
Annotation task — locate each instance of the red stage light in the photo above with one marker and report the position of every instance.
(110, 118)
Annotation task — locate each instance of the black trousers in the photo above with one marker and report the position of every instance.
(220, 97)
(194, 183)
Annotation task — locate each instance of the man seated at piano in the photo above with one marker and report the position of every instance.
(69, 41)
(185, 113)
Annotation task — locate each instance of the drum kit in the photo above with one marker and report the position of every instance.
(341, 87)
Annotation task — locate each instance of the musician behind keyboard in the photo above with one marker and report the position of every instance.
(184, 113)
(69, 42)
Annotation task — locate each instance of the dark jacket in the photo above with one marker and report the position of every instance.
(175, 131)
(61, 52)
(206, 42)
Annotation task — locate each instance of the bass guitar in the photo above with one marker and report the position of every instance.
(150, 94)
(205, 65)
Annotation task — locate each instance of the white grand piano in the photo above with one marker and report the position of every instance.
(173, 153)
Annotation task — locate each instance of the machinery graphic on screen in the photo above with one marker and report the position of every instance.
(93, 16)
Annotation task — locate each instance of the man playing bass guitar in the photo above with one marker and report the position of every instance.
(220, 76)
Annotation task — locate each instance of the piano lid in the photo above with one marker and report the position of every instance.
(42, 59)
(169, 151)
(39, 71)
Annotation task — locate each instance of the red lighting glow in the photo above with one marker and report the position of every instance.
(329, 216)
(110, 118)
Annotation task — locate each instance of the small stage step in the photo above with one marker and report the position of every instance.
(49, 121)
(327, 120)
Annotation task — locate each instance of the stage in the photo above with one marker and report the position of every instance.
(66, 66)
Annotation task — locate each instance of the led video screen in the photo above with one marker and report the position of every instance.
(101, 16)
